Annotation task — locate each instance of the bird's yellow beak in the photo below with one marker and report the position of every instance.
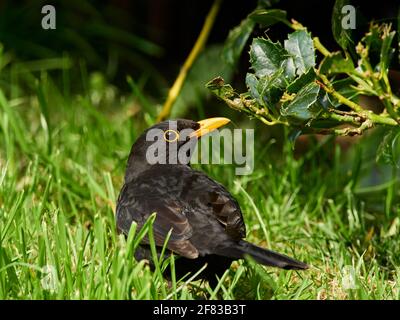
(209, 125)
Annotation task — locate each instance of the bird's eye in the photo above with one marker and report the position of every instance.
(171, 135)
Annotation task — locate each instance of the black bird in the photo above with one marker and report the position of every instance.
(206, 221)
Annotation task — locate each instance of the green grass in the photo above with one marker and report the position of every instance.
(62, 160)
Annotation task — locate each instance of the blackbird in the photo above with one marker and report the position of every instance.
(205, 220)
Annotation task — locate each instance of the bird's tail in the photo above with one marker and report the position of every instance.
(263, 256)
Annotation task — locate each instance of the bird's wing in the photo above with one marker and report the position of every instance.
(227, 212)
(137, 201)
(203, 191)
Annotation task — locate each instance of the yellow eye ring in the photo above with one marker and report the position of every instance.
(171, 140)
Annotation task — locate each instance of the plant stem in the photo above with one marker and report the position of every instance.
(198, 46)
(254, 112)
(327, 86)
(320, 47)
(366, 114)
(381, 119)
(344, 118)
(381, 94)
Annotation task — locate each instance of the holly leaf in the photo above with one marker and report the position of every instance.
(226, 93)
(378, 42)
(301, 107)
(271, 88)
(236, 41)
(220, 88)
(302, 81)
(267, 18)
(266, 57)
(342, 36)
(252, 84)
(346, 88)
(289, 69)
(301, 49)
(336, 63)
(372, 39)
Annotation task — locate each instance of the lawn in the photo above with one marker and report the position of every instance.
(62, 161)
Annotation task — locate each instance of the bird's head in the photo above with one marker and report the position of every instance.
(168, 142)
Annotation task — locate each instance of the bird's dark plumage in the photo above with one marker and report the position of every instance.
(206, 221)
